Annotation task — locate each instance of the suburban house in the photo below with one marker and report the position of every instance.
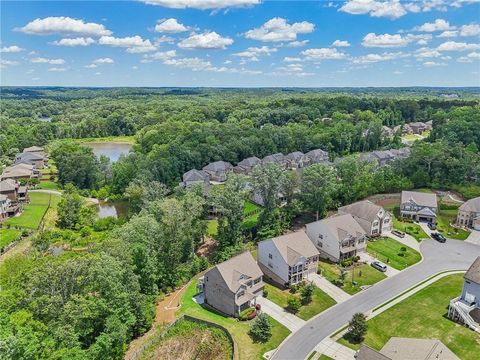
(407, 129)
(374, 219)
(295, 160)
(233, 285)
(338, 237)
(316, 156)
(35, 159)
(218, 170)
(288, 259)
(9, 188)
(246, 165)
(469, 214)
(465, 309)
(277, 158)
(196, 177)
(401, 153)
(20, 171)
(4, 205)
(408, 349)
(379, 157)
(419, 206)
(419, 127)
(35, 150)
(387, 131)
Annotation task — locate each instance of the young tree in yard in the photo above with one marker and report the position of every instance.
(357, 328)
(318, 188)
(294, 304)
(261, 329)
(307, 293)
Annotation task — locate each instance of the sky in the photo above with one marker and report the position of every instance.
(240, 43)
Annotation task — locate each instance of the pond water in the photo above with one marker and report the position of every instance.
(115, 209)
(111, 149)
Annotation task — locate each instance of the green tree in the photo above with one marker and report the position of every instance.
(357, 328)
(72, 210)
(293, 304)
(307, 293)
(318, 188)
(261, 329)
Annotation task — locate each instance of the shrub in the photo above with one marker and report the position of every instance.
(307, 293)
(293, 304)
(265, 293)
(244, 315)
(261, 329)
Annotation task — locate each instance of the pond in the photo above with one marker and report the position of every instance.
(114, 209)
(110, 149)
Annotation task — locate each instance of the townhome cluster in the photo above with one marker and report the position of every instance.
(26, 166)
(417, 127)
(385, 157)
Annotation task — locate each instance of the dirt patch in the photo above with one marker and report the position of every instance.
(208, 248)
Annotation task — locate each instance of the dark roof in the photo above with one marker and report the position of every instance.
(295, 156)
(249, 162)
(8, 185)
(29, 156)
(195, 175)
(274, 158)
(473, 272)
(218, 166)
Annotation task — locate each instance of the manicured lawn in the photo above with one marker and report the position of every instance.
(320, 301)
(407, 227)
(389, 251)
(33, 212)
(362, 274)
(423, 315)
(444, 219)
(250, 221)
(249, 207)
(324, 357)
(47, 185)
(247, 349)
(212, 227)
(8, 235)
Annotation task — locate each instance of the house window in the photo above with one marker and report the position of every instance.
(270, 256)
(240, 293)
(256, 281)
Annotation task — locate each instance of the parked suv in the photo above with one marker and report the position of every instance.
(439, 237)
(432, 226)
(379, 265)
(398, 233)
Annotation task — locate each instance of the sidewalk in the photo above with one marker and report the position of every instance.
(369, 258)
(334, 350)
(474, 237)
(333, 291)
(290, 321)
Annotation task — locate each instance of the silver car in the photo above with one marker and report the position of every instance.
(379, 266)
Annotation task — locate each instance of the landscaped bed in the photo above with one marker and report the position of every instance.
(393, 253)
(33, 212)
(320, 301)
(247, 349)
(423, 315)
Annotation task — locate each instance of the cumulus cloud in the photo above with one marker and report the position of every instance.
(207, 40)
(323, 54)
(170, 26)
(297, 43)
(384, 40)
(253, 53)
(448, 34)
(11, 49)
(473, 56)
(457, 46)
(79, 41)
(6, 63)
(202, 4)
(470, 30)
(291, 69)
(291, 59)
(437, 25)
(159, 55)
(40, 60)
(56, 69)
(433, 63)
(278, 29)
(427, 53)
(374, 58)
(134, 44)
(103, 61)
(341, 43)
(64, 25)
(392, 9)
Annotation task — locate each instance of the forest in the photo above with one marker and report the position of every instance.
(99, 294)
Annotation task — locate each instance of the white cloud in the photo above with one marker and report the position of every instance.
(63, 25)
(341, 43)
(163, 39)
(323, 54)
(470, 30)
(159, 55)
(427, 53)
(134, 44)
(277, 29)
(56, 69)
(40, 60)
(170, 26)
(91, 66)
(438, 25)
(473, 56)
(392, 9)
(297, 43)
(11, 49)
(5, 63)
(79, 41)
(252, 53)
(103, 61)
(448, 34)
(384, 40)
(291, 59)
(202, 4)
(374, 58)
(197, 64)
(457, 46)
(207, 40)
(432, 63)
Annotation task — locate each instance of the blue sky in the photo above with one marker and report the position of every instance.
(241, 43)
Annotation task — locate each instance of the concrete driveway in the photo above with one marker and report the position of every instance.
(331, 290)
(290, 321)
(366, 257)
(453, 255)
(407, 240)
(474, 237)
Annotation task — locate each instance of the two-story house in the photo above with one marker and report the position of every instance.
(338, 237)
(196, 177)
(374, 219)
(233, 285)
(218, 170)
(277, 158)
(316, 156)
(288, 259)
(469, 214)
(4, 205)
(35, 159)
(295, 160)
(246, 165)
(419, 206)
(9, 188)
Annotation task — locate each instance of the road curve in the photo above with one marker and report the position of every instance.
(453, 255)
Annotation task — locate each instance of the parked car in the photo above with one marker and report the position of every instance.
(439, 237)
(432, 226)
(379, 266)
(398, 233)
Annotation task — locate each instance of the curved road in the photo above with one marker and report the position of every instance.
(453, 255)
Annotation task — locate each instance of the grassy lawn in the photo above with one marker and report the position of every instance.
(247, 349)
(320, 301)
(47, 185)
(388, 251)
(363, 275)
(407, 227)
(250, 221)
(8, 235)
(444, 218)
(324, 357)
(423, 316)
(33, 212)
(212, 227)
(249, 207)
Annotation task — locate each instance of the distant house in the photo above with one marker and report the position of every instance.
(401, 153)
(407, 129)
(338, 237)
(196, 177)
(374, 219)
(429, 125)
(465, 309)
(246, 165)
(20, 171)
(35, 150)
(35, 159)
(387, 131)
(384, 157)
(277, 158)
(408, 349)
(233, 285)
(295, 160)
(419, 206)
(419, 127)
(9, 188)
(469, 214)
(5, 203)
(288, 259)
(316, 156)
(218, 170)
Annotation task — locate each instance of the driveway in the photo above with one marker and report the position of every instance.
(290, 321)
(366, 257)
(408, 240)
(474, 237)
(453, 255)
(425, 228)
(326, 286)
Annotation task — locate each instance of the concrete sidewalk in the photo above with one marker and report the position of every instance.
(334, 350)
(290, 321)
(326, 286)
(474, 237)
(366, 257)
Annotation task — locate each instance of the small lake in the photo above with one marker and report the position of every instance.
(110, 149)
(114, 209)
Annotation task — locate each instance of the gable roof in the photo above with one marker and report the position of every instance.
(293, 246)
(33, 149)
(274, 158)
(295, 156)
(249, 162)
(341, 226)
(420, 198)
(364, 209)
(218, 166)
(317, 154)
(8, 185)
(367, 353)
(237, 269)
(18, 170)
(473, 272)
(419, 349)
(471, 205)
(29, 156)
(195, 175)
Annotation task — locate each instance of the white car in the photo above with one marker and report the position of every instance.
(379, 266)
